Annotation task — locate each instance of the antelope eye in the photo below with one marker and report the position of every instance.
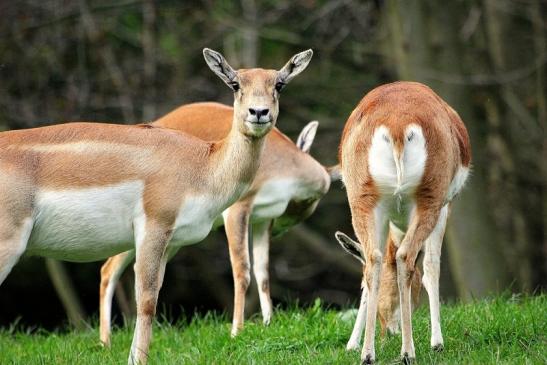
(279, 86)
(234, 85)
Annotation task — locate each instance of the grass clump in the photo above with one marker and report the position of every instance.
(504, 330)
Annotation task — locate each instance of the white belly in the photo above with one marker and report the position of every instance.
(87, 224)
(272, 199)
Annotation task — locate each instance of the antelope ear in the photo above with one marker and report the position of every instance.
(220, 67)
(296, 65)
(306, 137)
(350, 246)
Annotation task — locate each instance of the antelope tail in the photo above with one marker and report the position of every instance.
(400, 167)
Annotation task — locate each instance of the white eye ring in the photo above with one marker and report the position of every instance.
(385, 138)
(410, 136)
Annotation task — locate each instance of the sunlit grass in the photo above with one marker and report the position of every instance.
(505, 330)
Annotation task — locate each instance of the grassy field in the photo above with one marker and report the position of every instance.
(506, 330)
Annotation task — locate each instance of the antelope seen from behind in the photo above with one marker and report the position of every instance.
(85, 192)
(286, 190)
(404, 155)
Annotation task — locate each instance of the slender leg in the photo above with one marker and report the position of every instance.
(111, 271)
(422, 222)
(261, 261)
(370, 225)
(355, 339)
(13, 242)
(432, 263)
(236, 224)
(149, 263)
(169, 253)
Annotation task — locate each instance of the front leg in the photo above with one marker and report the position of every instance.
(236, 224)
(353, 343)
(149, 265)
(370, 224)
(261, 262)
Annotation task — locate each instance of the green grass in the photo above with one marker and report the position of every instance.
(506, 330)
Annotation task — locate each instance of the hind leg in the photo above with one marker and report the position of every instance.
(432, 263)
(369, 221)
(422, 223)
(111, 271)
(13, 242)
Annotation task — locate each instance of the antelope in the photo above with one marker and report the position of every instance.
(404, 155)
(388, 294)
(84, 191)
(286, 189)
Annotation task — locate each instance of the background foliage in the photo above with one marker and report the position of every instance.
(131, 61)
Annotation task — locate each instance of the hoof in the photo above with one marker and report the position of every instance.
(407, 360)
(367, 360)
(438, 347)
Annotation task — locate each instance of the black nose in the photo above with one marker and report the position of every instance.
(258, 112)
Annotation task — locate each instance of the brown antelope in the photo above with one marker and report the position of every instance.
(388, 293)
(286, 190)
(85, 192)
(404, 155)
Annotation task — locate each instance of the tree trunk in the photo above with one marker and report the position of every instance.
(250, 46)
(149, 59)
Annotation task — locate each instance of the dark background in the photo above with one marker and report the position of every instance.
(133, 61)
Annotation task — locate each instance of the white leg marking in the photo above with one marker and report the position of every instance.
(431, 264)
(355, 339)
(261, 260)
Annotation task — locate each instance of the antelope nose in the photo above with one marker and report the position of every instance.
(259, 112)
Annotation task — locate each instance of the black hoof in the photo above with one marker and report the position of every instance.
(407, 360)
(438, 348)
(367, 360)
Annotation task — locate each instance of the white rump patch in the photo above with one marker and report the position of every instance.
(397, 174)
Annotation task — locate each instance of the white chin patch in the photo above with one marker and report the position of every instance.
(258, 128)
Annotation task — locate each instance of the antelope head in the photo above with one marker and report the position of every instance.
(256, 91)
